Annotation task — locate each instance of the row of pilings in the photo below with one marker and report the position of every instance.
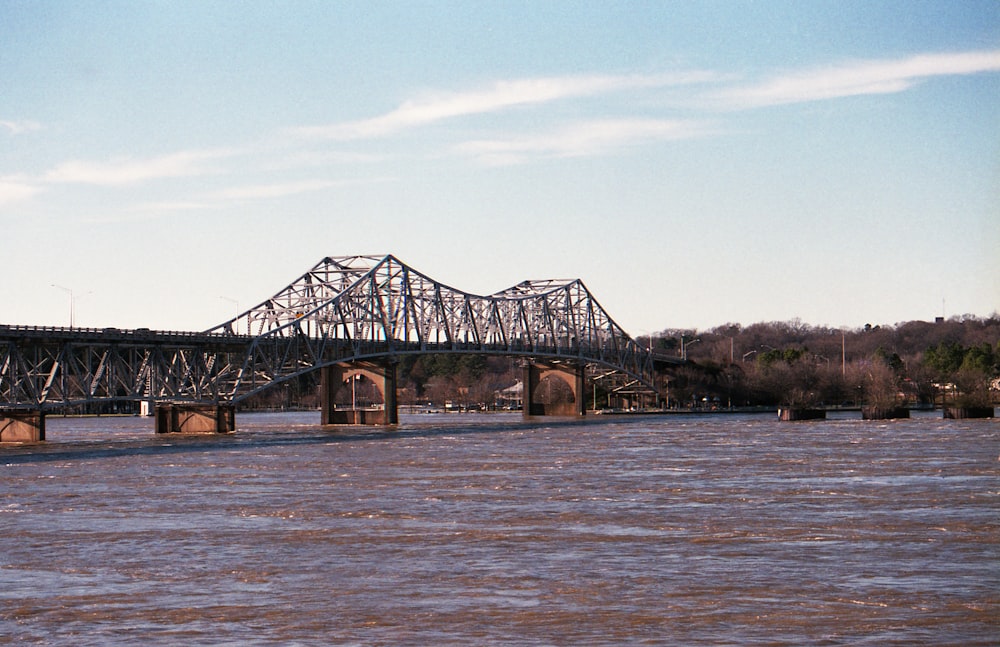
(791, 414)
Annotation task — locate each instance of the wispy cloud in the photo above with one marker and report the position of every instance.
(612, 129)
(20, 127)
(146, 211)
(583, 138)
(220, 199)
(499, 96)
(173, 205)
(15, 190)
(280, 160)
(858, 78)
(280, 190)
(129, 171)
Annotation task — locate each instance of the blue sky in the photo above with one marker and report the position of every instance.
(694, 163)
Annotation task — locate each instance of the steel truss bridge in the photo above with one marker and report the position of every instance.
(345, 309)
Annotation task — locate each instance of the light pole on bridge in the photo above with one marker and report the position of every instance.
(72, 303)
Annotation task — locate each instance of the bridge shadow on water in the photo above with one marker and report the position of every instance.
(276, 435)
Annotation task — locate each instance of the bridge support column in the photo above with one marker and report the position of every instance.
(546, 404)
(17, 426)
(195, 418)
(334, 378)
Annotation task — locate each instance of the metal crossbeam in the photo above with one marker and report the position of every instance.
(343, 309)
(47, 367)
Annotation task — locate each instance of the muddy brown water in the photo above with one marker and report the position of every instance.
(489, 530)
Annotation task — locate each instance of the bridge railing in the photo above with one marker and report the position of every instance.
(19, 331)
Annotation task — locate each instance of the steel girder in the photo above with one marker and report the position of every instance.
(343, 309)
(363, 307)
(48, 367)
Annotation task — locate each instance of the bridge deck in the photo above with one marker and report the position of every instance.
(343, 309)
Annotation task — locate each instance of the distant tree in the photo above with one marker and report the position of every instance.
(980, 358)
(973, 388)
(775, 363)
(667, 343)
(922, 382)
(831, 386)
(881, 386)
(892, 360)
(945, 358)
(791, 383)
(440, 389)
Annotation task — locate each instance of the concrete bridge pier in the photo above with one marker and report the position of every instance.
(545, 401)
(22, 426)
(340, 376)
(195, 418)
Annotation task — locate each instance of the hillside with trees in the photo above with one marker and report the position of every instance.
(789, 363)
(795, 364)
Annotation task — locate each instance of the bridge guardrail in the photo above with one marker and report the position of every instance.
(17, 331)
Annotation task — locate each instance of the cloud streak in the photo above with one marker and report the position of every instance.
(130, 171)
(859, 78)
(583, 138)
(270, 191)
(14, 190)
(20, 127)
(501, 95)
(605, 133)
(114, 173)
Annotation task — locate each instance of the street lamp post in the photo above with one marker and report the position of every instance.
(684, 347)
(843, 353)
(72, 303)
(354, 391)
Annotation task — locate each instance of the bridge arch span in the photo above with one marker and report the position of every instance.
(362, 308)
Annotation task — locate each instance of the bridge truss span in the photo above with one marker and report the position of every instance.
(362, 307)
(344, 309)
(50, 367)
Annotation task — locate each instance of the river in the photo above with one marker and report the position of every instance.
(489, 530)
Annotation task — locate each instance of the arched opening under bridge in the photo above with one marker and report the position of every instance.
(358, 393)
(554, 389)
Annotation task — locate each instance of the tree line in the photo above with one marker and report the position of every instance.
(954, 361)
(794, 364)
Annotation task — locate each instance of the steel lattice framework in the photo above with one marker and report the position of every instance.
(344, 309)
